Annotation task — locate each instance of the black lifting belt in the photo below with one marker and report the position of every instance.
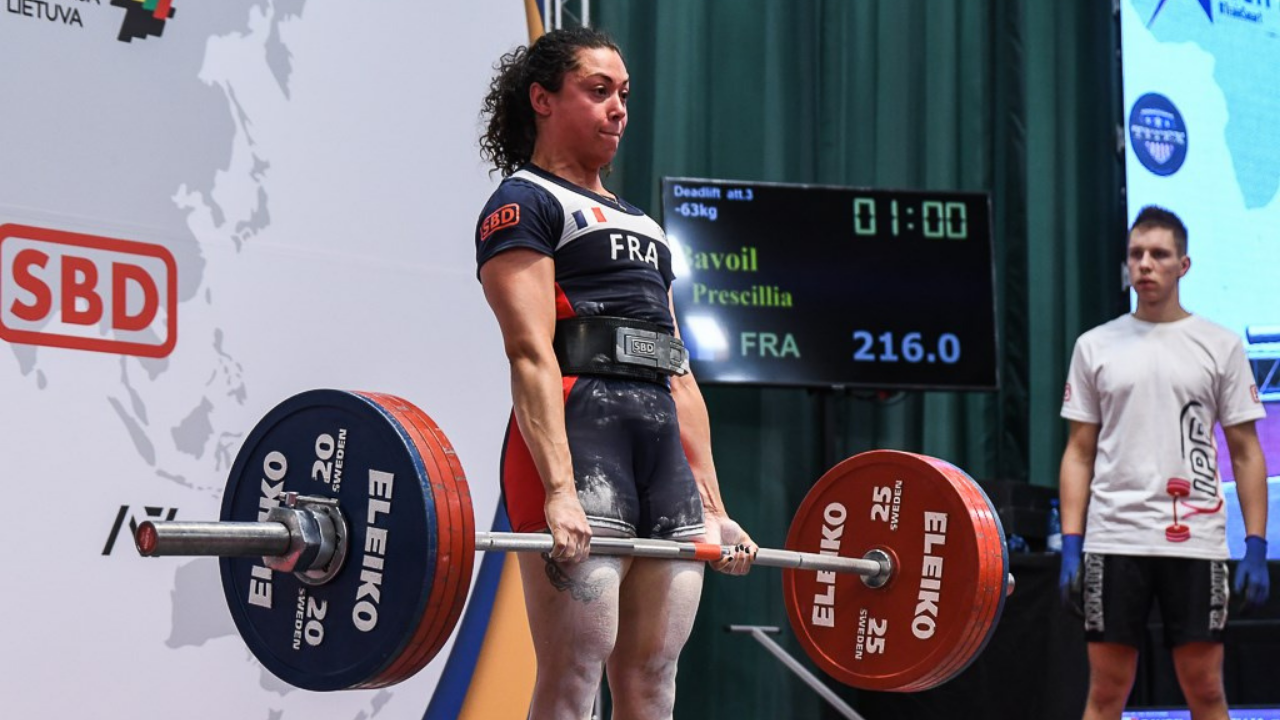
(618, 347)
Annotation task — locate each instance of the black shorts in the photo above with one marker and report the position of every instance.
(629, 466)
(1118, 591)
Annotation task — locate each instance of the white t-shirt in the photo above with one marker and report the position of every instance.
(1156, 390)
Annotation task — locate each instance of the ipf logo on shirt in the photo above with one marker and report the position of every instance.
(1157, 134)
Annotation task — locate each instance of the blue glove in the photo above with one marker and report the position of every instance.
(1072, 544)
(1251, 574)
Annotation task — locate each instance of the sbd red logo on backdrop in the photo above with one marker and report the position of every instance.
(85, 292)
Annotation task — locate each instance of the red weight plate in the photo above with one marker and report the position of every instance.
(995, 581)
(455, 598)
(457, 550)
(427, 641)
(836, 618)
(978, 621)
(895, 636)
(458, 578)
(468, 530)
(991, 583)
(436, 619)
(974, 622)
(978, 624)
(1178, 487)
(431, 614)
(452, 488)
(414, 656)
(465, 558)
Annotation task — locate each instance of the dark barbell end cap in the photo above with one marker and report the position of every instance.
(146, 539)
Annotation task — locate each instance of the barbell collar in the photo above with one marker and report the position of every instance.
(317, 538)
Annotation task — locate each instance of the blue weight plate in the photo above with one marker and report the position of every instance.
(348, 631)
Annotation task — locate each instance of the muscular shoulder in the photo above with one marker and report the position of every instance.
(515, 201)
(519, 214)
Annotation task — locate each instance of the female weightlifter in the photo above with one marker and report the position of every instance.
(609, 433)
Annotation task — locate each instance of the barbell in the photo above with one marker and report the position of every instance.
(347, 543)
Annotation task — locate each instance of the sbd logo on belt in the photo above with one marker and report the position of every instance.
(84, 292)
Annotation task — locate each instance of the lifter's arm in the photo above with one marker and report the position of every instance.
(1076, 474)
(1252, 577)
(520, 287)
(1074, 479)
(1250, 468)
(695, 436)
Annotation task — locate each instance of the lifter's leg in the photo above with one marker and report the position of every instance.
(1112, 668)
(1199, 668)
(573, 617)
(659, 600)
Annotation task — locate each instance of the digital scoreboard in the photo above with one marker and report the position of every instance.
(827, 286)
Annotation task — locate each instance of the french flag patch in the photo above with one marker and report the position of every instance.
(583, 219)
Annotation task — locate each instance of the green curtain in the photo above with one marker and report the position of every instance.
(1014, 97)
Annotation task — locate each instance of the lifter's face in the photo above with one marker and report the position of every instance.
(1155, 265)
(589, 113)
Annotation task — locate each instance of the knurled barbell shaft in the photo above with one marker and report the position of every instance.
(677, 550)
(270, 539)
(674, 550)
(249, 539)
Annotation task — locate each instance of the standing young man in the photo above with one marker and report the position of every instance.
(1143, 394)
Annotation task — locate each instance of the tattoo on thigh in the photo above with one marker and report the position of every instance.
(583, 592)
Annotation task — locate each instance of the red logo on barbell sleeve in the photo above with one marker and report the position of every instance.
(85, 292)
(504, 217)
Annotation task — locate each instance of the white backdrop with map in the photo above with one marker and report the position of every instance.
(312, 166)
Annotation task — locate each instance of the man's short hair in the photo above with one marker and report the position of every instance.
(1154, 216)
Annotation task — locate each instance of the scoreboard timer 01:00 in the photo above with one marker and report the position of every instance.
(927, 218)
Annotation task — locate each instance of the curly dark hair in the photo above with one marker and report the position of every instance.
(508, 140)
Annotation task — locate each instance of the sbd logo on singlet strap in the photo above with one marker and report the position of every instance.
(84, 292)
